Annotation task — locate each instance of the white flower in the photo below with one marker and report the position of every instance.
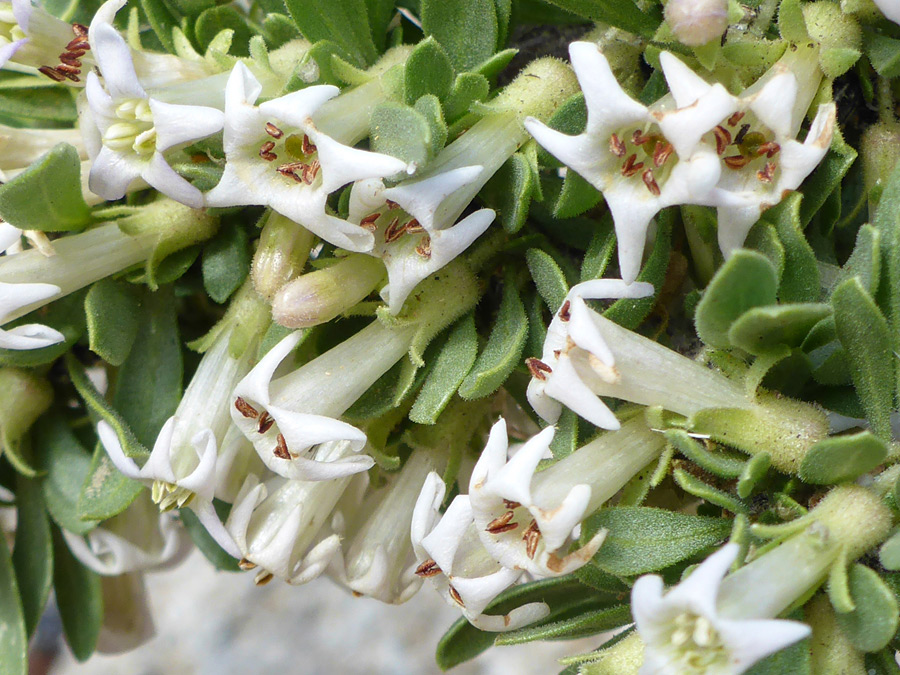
(139, 538)
(171, 485)
(463, 572)
(684, 633)
(642, 159)
(20, 147)
(18, 299)
(517, 530)
(29, 35)
(131, 130)
(890, 8)
(282, 526)
(410, 238)
(10, 238)
(275, 156)
(575, 354)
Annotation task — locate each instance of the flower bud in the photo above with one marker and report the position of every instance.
(696, 22)
(281, 254)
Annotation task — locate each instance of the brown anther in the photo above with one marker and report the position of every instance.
(736, 161)
(769, 149)
(531, 537)
(263, 578)
(307, 146)
(52, 73)
(740, 134)
(394, 231)
(80, 30)
(723, 139)
(310, 171)
(70, 59)
(510, 504)
(70, 76)
(630, 168)
(290, 170)
(638, 137)
(68, 70)
(356, 594)
(368, 223)
(391, 205)
(662, 152)
(501, 524)
(767, 173)
(79, 44)
(413, 227)
(265, 422)
(265, 151)
(429, 568)
(456, 597)
(281, 449)
(564, 313)
(557, 352)
(245, 408)
(273, 131)
(734, 119)
(424, 247)
(538, 368)
(246, 565)
(650, 182)
(617, 146)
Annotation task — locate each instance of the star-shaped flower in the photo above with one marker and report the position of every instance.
(642, 159)
(575, 354)
(275, 156)
(410, 235)
(451, 555)
(684, 634)
(18, 299)
(131, 131)
(516, 529)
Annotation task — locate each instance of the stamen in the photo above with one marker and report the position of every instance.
(78, 44)
(265, 422)
(767, 173)
(740, 134)
(424, 247)
(273, 131)
(80, 30)
(769, 149)
(307, 147)
(737, 117)
(429, 568)
(531, 537)
(723, 139)
(638, 137)
(246, 565)
(501, 524)
(263, 578)
(290, 170)
(67, 70)
(564, 311)
(52, 73)
(736, 161)
(391, 205)
(456, 597)
(510, 504)
(310, 171)
(630, 168)
(662, 152)
(266, 153)
(394, 231)
(616, 146)
(650, 182)
(538, 368)
(70, 59)
(245, 408)
(368, 223)
(281, 449)
(413, 227)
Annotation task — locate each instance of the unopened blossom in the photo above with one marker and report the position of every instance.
(15, 299)
(130, 130)
(517, 530)
(697, 22)
(575, 353)
(275, 156)
(642, 159)
(685, 634)
(450, 553)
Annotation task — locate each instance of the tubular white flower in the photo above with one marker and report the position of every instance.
(450, 553)
(131, 130)
(528, 520)
(667, 165)
(286, 416)
(15, 297)
(685, 634)
(575, 354)
(139, 538)
(30, 36)
(20, 147)
(890, 8)
(276, 156)
(282, 526)
(379, 560)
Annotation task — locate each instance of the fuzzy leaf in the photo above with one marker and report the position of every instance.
(344, 22)
(226, 262)
(33, 551)
(842, 458)
(548, 277)
(112, 309)
(624, 14)
(428, 71)
(763, 329)
(874, 621)
(13, 639)
(467, 29)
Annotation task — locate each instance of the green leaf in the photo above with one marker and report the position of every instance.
(600, 251)
(226, 262)
(33, 551)
(428, 71)
(763, 329)
(13, 639)
(864, 333)
(344, 22)
(889, 553)
(105, 492)
(278, 29)
(883, 53)
(874, 621)
(800, 282)
(842, 458)
(826, 178)
(50, 107)
(467, 88)
(624, 14)
(720, 464)
(112, 309)
(380, 14)
(503, 350)
(451, 367)
(162, 21)
(583, 625)
(216, 19)
(791, 23)
(468, 30)
(400, 131)
(745, 281)
(703, 490)
(754, 471)
(430, 108)
(643, 539)
(510, 192)
(207, 545)
(548, 277)
(576, 197)
(79, 597)
(47, 195)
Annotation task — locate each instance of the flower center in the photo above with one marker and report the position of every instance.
(9, 29)
(293, 156)
(509, 521)
(135, 130)
(645, 153)
(391, 222)
(170, 496)
(264, 424)
(696, 644)
(742, 146)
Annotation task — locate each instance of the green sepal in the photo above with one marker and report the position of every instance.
(112, 309)
(835, 61)
(842, 458)
(79, 597)
(467, 89)
(791, 24)
(838, 586)
(511, 190)
(278, 29)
